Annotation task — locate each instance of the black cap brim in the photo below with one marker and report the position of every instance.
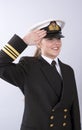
(54, 35)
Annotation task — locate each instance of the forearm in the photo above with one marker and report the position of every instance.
(12, 49)
(75, 114)
(75, 110)
(16, 73)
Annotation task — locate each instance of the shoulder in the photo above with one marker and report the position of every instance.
(28, 63)
(29, 59)
(65, 66)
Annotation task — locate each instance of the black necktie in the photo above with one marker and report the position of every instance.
(53, 63)
(54, 66)
(58, 79)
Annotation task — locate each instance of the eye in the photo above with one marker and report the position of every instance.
(54, 38)
(59, 38)
(50, 38)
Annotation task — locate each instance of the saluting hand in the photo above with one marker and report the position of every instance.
(34, 37)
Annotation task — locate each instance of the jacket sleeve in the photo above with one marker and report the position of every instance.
(75, 110)
(9, 71)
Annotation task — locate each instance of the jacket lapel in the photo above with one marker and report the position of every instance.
(47, 71)
(65, 78)
(65, 99)
(63, 86)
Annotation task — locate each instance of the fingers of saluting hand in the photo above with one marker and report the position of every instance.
(40, 33)
(34, 37)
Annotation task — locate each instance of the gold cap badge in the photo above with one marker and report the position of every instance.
(53, 26)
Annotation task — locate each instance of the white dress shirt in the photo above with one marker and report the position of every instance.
(49, 60)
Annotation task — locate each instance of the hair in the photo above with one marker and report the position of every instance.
(37, 52)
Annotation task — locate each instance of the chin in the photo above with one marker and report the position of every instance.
(56, 54)
(53, 56)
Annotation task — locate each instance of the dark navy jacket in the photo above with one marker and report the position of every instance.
(34, 76)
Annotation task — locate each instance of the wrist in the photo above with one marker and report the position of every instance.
(25, 39)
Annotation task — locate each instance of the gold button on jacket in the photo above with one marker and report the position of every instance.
(51, 117)
(51, 125)
(64, 124)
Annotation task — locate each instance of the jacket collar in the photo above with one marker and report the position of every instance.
(49, 60)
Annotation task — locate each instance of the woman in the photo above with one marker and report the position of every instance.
(51, 100)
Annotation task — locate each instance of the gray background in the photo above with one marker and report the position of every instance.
(17, 16)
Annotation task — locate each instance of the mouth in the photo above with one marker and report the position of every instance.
(56, 48)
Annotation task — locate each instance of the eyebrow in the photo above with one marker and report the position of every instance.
(53, 38)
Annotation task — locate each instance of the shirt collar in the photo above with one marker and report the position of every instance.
(49, 60)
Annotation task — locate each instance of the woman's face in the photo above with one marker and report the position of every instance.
(50, 47)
